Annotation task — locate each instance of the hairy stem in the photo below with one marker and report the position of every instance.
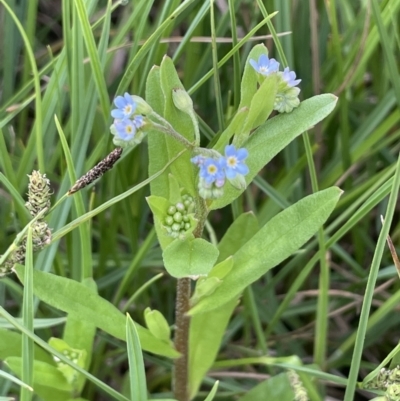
(182, 339)
(182, 321)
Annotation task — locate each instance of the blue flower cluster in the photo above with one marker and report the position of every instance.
(213, 172)
(287, 94)
(126, 123)
(266, 66)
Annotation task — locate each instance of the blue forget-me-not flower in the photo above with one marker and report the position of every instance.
(265, 65)
(287, 94)
(126, 106)
(215, 170)
(234, 161)
(290, 77)
(127, 121)
(126, 128)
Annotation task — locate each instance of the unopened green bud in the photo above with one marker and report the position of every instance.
(182, 100)
(178, 217)
(169, 220)
(157, 324)
(180, 207)
(239, 182)
(142, 107)
(171, 210)
(176, 227)
(205, 287)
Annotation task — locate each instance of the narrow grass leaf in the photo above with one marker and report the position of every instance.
(213, 391)
(27, 318)
(137, 375)
(38, 94)
(13, 379)
(94, 59)
(135, 62)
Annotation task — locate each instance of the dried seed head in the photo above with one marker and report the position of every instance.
(38, 199)
(39, 193)
(97, 171)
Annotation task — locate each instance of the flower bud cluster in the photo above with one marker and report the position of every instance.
(287, 94)
(39, 193)
(76, 356)
(216, 169)
(300, 393)
(128, 124)
(177, 222)
(389, 381)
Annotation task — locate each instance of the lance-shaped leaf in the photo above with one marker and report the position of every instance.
(274, 135)
(81, 302)
(276, 241)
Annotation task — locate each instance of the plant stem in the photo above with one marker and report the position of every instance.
(182, 339)
(182, 321)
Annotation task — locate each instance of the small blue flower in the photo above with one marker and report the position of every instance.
(138, 121)
(290, 77)
(125, 129)
(125, 106)
(212, 170)
(234, 161)
(265, 65)
(198, 160)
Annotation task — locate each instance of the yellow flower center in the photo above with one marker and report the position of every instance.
(212, 169)
(232, 161)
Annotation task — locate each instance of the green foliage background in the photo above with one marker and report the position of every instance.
(88, 52)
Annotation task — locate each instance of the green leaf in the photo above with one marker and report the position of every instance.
(189, 257)
(10, 345)
(274, 135)
(221, 269)
(174, 190)
(262, 103)
(213, 391)
(205, 286)
(81, 302)
(159, 207)
(79, 334)
(157, 142)
(276, 241)
(137, 375)
(182, 123)
(207, 329)
(43, 374)
(239, 232)
(157, 324)
(250, 77)
(233, 128)
(205, 336)
(77, 355)
(277, 387)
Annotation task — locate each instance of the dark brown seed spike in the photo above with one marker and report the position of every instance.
(97, 171)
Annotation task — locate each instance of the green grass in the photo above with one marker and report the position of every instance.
(330, 310)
